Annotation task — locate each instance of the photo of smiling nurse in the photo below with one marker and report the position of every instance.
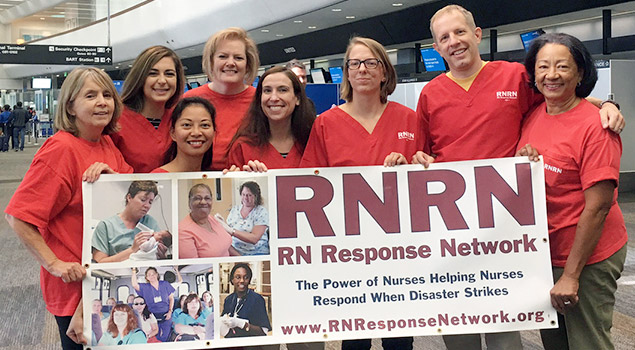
(246, 311)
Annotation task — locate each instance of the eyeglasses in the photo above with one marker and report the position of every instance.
(369, 63)
(139, 304)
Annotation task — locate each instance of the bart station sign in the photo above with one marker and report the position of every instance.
(56, 54)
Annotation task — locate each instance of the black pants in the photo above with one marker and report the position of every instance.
(62, 325)
(404, 343)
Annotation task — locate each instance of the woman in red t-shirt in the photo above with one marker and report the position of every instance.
(587, 235)
(192, 129)
(51, 225)
(277, 126)
(230, 60)
(153, 86)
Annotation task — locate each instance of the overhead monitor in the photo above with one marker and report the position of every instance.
(336, 74)
(432, 60)
(255, 83)
(528, 37)
(41, 83)
(118, 85)
(318, 76)
(194, 84)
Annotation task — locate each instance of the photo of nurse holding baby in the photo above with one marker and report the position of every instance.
(132, 233)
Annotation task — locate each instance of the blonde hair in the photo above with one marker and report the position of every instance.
(71, 87)
(232, 33)
(387, 86)
(469, 18)
(132, 94)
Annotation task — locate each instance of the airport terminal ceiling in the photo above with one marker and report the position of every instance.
(318, 30)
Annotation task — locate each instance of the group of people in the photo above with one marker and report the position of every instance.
(152, 316)
(13, 124)
(228, 124)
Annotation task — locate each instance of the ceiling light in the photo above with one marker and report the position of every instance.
(397, 4)
(264, 30)
(311, 27)
(116, 67)
(336, 10)
(297, 21)
(350, 17)
(42, 18)
(129, 66)
(279, 35)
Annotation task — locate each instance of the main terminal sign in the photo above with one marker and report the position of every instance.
(56, 54)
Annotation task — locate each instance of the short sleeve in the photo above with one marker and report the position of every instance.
(260, 317)
(100, 238)
(261, 216)
(30, 205)
(315, 151)
(187, 245)
(600, 158)
(235, 156)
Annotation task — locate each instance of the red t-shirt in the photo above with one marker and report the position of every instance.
(141, 144)
(577, 153)
(230, 112)
(242, 152)
(159, 171)
(483, 122)
(50, 198)
(337, 139)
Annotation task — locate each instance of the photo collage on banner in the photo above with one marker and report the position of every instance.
(176, 260)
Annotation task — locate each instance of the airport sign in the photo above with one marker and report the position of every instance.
(56, 54)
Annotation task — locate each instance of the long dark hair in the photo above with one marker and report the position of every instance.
(145, 313)
(176, 114)
(255, 128)
(132, 94)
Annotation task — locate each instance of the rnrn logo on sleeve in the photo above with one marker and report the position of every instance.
(406, 135)
(507, 95)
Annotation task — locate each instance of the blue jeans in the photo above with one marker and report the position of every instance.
(18, 130)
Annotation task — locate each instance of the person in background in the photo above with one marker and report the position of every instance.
(190, 324)
(364, 130)
(122, 328)
(159, 299)
(51, 226)
(153, 86)
(230, 60)
(18, 119)
(4, 128)
(148, 322)
(208, 301)
(192, 131)
(464, 120)
(587, 233)
(300, 71)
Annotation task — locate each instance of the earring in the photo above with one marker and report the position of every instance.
(579, 83)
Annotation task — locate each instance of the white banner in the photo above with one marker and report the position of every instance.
(356, 252)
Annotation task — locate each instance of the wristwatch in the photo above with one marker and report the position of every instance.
(611, 102)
